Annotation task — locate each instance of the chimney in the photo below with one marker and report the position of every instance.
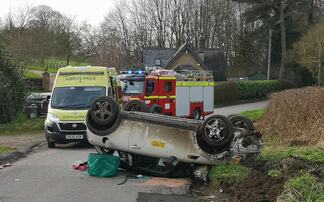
(202, 46)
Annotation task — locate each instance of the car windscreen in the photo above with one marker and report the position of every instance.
(75, 97)
(132, 87)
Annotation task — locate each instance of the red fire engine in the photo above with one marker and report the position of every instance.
(170, 93)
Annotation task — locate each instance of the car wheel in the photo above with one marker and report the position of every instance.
(102, 130)
(137, 105)
(104, 110)
(51, 144)
(196, 114)
(242, 122)
(217, 131)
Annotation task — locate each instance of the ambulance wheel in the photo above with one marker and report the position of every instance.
(197, 114)
(137, 105)
(51, 144)
(104, 110)
(241, 122)
(218, 131)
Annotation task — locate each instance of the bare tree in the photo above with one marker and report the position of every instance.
(23, 16)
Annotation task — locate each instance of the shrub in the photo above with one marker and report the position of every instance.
(257, 89)
(225, 92)
(12, 86)
(295, 117)
(230, 91)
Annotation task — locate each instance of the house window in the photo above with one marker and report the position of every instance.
(157, 62)
(167, 87)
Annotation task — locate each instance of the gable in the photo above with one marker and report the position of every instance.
(185, 56)
(185, 59)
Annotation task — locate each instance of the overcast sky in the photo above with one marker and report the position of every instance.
(91, 10)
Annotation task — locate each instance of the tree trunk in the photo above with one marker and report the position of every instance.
(320, 47)
(68, 60)
(283, 40)
(320, 66)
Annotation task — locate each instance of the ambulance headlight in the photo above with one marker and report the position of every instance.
(52, 117)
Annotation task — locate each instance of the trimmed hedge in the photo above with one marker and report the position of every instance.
(230, 91)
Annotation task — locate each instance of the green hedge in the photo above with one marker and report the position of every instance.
(230, 91)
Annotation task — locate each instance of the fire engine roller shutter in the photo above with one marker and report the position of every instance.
(208, 98)
(182, 101)
(196, 94)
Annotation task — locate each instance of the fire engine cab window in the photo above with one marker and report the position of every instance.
(167, 87)
(132, 87)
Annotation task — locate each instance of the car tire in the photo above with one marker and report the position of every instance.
(104, 111)
(51, 144)
(102, 130)
(137, 105)
(219, 126)
(242, 122)
(196, 114)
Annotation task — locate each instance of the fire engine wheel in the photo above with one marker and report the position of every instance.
(137, 105)
(218, 131)
(156, 109)
(241, 122)
(197, 114)
(104, 110)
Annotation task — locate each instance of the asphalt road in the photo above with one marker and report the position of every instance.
(48, 176)
(236, 109)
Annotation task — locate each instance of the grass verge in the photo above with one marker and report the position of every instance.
(228, 172)
(6, 149)
(22, 124)
(304, 187)
(271, 153)
(54, 63)
(254, 115)
(31, 75)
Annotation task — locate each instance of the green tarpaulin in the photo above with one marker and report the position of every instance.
(103, 165)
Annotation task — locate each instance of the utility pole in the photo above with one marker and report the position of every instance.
(269, 54)
(283, 39)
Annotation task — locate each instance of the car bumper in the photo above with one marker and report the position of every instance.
(54, 134)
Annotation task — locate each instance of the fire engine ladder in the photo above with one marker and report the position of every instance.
(195, 75)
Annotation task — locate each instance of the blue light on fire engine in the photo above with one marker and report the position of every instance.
(140, 72)
(129, 71)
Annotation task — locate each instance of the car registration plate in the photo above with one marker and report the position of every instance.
(74, 137)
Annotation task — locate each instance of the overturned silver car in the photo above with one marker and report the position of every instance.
(161, 145)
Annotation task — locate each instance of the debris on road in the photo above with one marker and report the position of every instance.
(79, 165)
(5, 165)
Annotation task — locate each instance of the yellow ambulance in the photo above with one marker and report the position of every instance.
(74, 90)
